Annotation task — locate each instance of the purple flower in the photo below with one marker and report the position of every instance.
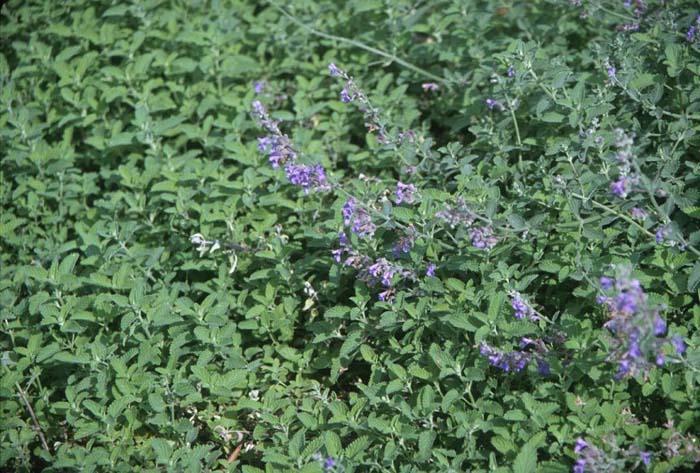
(543, 367)
(308, 177)
(690, 34)
(612, 72)
(621, 187)
(646, 458)
(383, 271)
(580, 445)
(330, 463)
(514, 361)
(430, 86)
(520, 307)
(349, 210)
(580, 466)
(659, 326)
(491, 104)
(660, 359)
(661, 233)
(405, 193)
(455, 216)
(511, 71)
(483, 238)
(607, 283)
(334, 70)
(679, 345)
(405, 243)
(638, 213)
(430, 270)
(349, 92)
(387, 295)
(259, 86)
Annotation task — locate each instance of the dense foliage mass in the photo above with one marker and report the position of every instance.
(372, 235)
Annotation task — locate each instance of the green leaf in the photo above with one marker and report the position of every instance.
(694, 277)
(333, 444)
(526, 461)
(425, 444)
(356, 447)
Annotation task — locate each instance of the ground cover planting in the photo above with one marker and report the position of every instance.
(372, 235)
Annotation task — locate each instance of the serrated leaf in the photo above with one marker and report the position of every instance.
(356, 447)
(425, 444)
(694, 277)
(333, 445)
(526, 460)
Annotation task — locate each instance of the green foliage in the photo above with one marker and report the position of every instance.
(125, 130)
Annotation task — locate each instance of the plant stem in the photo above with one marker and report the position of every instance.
(37, 427)
(361, 45)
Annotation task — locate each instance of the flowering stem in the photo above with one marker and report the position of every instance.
(651, 107)
(517, 130)
(614, 13)
(628, 219)
(614, 212)
(361, 45)
(37, 426)
(386, 218)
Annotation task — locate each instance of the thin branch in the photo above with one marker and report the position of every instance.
(37, 427)
(361, 45)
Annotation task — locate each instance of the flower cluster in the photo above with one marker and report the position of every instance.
(679, 444)
(405, 193)
(516, 360)
(406, 242)
(522, 309)
(352, 93)
(491, 104)
(638, 329)
(328, 464)
(692, 34)
(483, 238)
(358, 219)
(374, 272)
(639, 213)
(594, 459)
(626, 180)
(458, 215)
(279, 148)
(308, 177)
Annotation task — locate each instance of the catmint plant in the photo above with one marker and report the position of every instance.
(640, 341)
(593, 459)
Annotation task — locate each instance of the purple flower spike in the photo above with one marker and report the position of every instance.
(679, 345)
(607, 283)
(646, 458)
(430, 271)
(621, 187)
(661, 234)
(612, 72)
(308, 177)
(580, 466)
(259, 86)
(511, 71)
(659, 326)
(491, 104)
(334, 70)
(580, 445)
(405, 193)
(638, 213)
